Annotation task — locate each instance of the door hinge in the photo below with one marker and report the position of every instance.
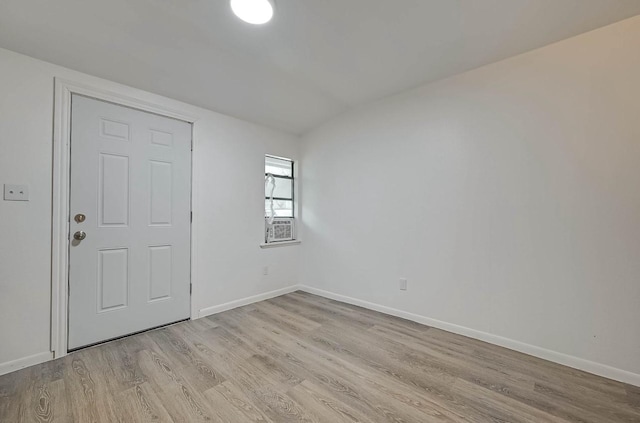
(190, 288)
(191, 217)
(191, 144)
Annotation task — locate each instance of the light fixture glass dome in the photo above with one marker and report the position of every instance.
(255, 12)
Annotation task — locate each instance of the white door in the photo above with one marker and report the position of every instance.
(131, 180)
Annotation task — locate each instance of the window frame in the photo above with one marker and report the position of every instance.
(293, 187)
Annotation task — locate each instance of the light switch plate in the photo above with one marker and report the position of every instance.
(16, 192)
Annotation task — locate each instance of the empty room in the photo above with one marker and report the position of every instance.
(320, 211)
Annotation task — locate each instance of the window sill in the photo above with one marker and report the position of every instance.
(280, 244)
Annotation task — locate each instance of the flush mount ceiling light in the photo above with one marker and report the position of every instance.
(255, 12)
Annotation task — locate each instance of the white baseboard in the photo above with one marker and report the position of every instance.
(246, 301)
(21, 363)
(554, 356)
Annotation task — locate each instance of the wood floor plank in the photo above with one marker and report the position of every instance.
(304, 358)
(181, 401)
(234, 405)
(327, 407)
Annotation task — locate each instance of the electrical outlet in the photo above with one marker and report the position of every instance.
(403, 284)
(16, 192)
(265, 271)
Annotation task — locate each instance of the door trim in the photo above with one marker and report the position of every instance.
(120, 95)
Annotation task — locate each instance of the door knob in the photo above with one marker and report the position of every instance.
(80, 235)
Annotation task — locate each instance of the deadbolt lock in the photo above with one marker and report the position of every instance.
(80, 218)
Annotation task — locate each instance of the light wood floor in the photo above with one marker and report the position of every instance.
(303, 358)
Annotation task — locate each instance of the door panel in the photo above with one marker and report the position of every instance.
(159, 272)
(113, 196)
(160, 198)
(131, 178)
(113, 279)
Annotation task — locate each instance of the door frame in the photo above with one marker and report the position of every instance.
(112, 93)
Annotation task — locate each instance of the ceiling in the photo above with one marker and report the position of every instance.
(316, 59)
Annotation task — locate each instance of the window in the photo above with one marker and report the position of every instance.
(278, 200)
(282, 172)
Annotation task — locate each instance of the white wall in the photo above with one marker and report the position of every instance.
(228, 214)
(509, 196)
